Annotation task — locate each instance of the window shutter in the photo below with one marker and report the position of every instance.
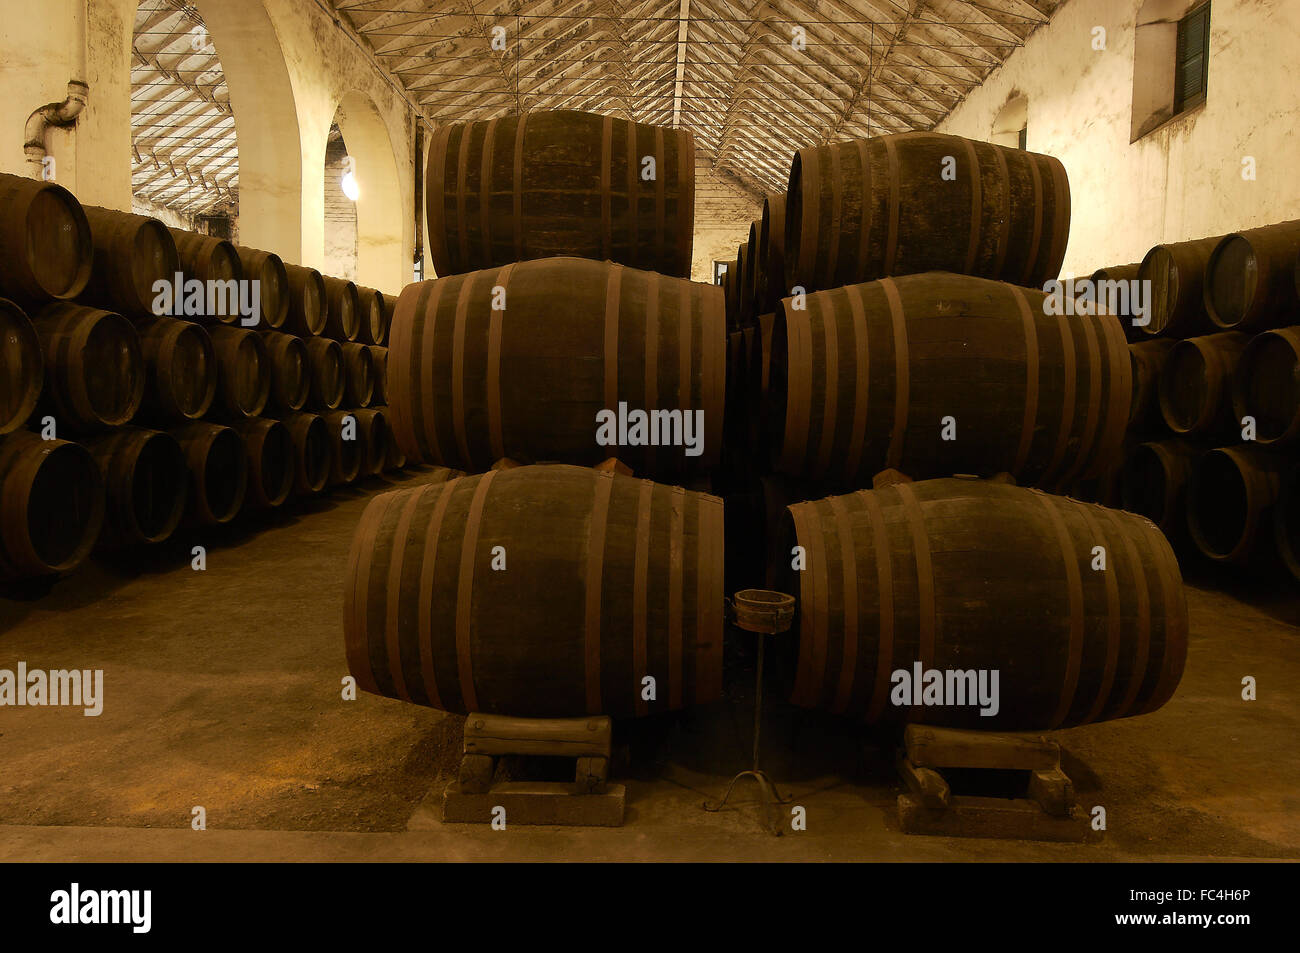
(1192, 59)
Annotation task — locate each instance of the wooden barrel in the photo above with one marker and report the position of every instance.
(771, 245)
(754, 275)
(1147, 359)
(311, 452)
(390, 308)
(880, 375)
(1286, 522)
(359, 375)
(94, 368)
(469, 385)
(1230, 499)
(1126, 274)
(268, 270)
(51, 505)
(968, 576)
(1266, 386)
(373, 326)
(243, 372)
(866, 209)
(180, 369)
(379, 360)
(394, 459)
(22, 369)
(327, 375)
(608, 581)
(346, 452)
(1176, 273)
(290, 370)
(206, 258)
(269, 450)
(1250, 278)
(1154, 483)
(307, 306)
(1196, 383)
(343, 309)
(144, 482)
(731, 292)
(560, 183)
(372, 434)
(745, 255)
(46, 250)
(218, 469)
(132, 254)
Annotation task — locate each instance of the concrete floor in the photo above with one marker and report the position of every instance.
(223, 690)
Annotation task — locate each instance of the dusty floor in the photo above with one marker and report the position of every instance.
(223, 690)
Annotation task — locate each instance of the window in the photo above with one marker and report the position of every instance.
(1011, 124)
(719, 271)
(1192, 59)
(1023, 138)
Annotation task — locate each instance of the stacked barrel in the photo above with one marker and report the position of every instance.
(1213, 446)
(140, 394)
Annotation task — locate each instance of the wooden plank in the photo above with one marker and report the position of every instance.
(591, 774)
(953, 748)
(535, 803)
(926, 783)
(990, 817)
(1053, 791)
(559, 737)
(476, 772)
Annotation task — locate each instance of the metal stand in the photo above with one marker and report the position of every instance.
(766, 613)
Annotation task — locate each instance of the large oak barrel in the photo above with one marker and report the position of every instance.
(1286, 521)
(470, 385)
(22, 369)
(922, 201)
(181, 369)
(964, 576)
(1196, 382)
(269, 449)
(244, 373)
(307, 306)
(1230, 499)
(869, 376)
(132, 254)
(771, 246)
(94, 368)
(328, 376)
(1266, 386)
(145, 482)
(1176, 272)
(347, 448)
(268, 270)
(745, 256)
(290, 369)
(206, 258)
(373, 326)
(311, 448)
(1148, 360)
(359, 375)
(379, 359)
(372, 435)
(51, 505)
(46, 250)
(218, 472)
(394, 459)
(560, 183)
(343, 309)
(1125, 274)
(1154, 483)
(1250, 278)
(608, 581)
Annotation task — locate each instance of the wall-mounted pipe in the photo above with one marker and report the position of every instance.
(64, 114)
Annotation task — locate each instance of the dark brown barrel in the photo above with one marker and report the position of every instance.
(290, 370)
(609, 580)
(46, 250)
(94, 369)
(51, 505)
(206, 258)
(307, 305)
(181, 369)
(771, 244)
(863, 378)
(268, 270)
(269, 450)
(470, 385)
(1266, 386)
(373, 326)
(1176, 273)
(22, 369)
(1250, 278)
(735, 426)
(964, 576)
(218, 472)
(860, 210)
(359, 375)
(244, 374)
(343, 309)
(328, 377)
(394, 459)
(1126, 274)
(745, 292)
(372, 434)
(754, 275)
(390, 308)
(731, 292)
(379, 359)
(1196, 383)
(1147, 359)
(346, 449)
(1154, 483)
(132, 254)
(1286, 522)
(145, 480)
(560, 183)
(1230, 499)
(311, 452)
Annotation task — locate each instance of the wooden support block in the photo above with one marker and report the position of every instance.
(889, 478)
(476, 772)
(591, 774)
(989, 817)
(615, 465)
(952, 748)
(558, 737)
(926, 783)
(533, 803)
(505, 463)
(1053, 791)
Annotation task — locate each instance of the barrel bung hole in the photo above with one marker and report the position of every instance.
(158, 487)
(57, 242)
(112, 365)
(1218, 502)
(225, 474)
(1270, 384)
(65, 501)
(1232, 279)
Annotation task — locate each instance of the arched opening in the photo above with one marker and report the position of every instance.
(379, 214)
(1011, 125)
(341, 192)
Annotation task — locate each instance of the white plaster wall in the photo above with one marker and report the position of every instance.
(1181, 181)
(724, 210)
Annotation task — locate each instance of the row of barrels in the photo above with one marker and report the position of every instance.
(614, 583)
(132, 485)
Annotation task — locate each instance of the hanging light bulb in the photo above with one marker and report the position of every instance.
(349, 184)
